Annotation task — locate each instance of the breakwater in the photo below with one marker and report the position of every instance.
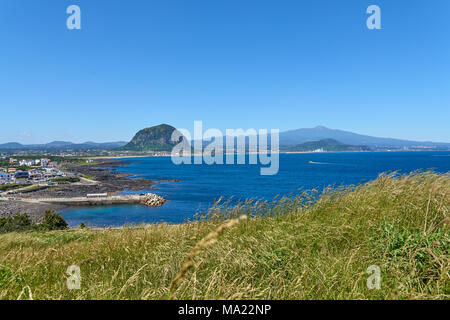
(148, 199)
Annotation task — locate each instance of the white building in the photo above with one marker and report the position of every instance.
(29, 163)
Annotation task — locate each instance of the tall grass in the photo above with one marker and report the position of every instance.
(303, 247)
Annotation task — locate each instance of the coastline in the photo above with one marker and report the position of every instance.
(280, 152)
(97, 178)
(125, 157)
(293, 230)
(102, 179)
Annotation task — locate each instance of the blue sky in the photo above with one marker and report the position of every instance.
(231, 63)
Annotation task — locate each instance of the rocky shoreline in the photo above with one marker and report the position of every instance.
(102, 179)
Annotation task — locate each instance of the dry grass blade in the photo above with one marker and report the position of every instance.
(205, 242)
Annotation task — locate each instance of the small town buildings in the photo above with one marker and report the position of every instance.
(38, 170)
(48, 175)
(22, 175)
(6, 178)
(35, 174)
(49, 170)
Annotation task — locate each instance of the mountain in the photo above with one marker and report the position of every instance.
(105, 145)
(294, 137)
(293, 140)
(58, 144)
(157, 138)
(11, 145)
(323, 145)
(63, 145)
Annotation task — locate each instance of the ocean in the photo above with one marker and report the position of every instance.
(201, 185)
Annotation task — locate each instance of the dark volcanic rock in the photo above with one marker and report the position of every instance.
(108, 181)
(34, 211)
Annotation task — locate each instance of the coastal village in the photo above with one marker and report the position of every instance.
(34, 185)
(36, 171)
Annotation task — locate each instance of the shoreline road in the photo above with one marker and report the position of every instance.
(86, 181)
(4, 194)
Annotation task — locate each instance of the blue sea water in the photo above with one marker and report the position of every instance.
(200, 185)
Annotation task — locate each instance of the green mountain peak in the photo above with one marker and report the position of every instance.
(156, 138)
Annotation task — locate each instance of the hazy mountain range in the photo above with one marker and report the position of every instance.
(292, 137)
(63, 145)
(157, 138)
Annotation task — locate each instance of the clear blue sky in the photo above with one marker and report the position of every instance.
(231, 63)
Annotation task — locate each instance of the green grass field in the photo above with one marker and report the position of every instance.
(291, 248)
(7, 187)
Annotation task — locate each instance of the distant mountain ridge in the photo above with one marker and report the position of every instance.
(298, 136)
(63, 145)
(158, 138)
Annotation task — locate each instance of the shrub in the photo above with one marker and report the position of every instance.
(3, 221)
(54, 221)
(21, 220)
(17, 223)
(7, 187)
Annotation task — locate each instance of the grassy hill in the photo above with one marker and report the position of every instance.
(325, 144)
(291, 248)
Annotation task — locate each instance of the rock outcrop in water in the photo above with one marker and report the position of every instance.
(153, 200)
